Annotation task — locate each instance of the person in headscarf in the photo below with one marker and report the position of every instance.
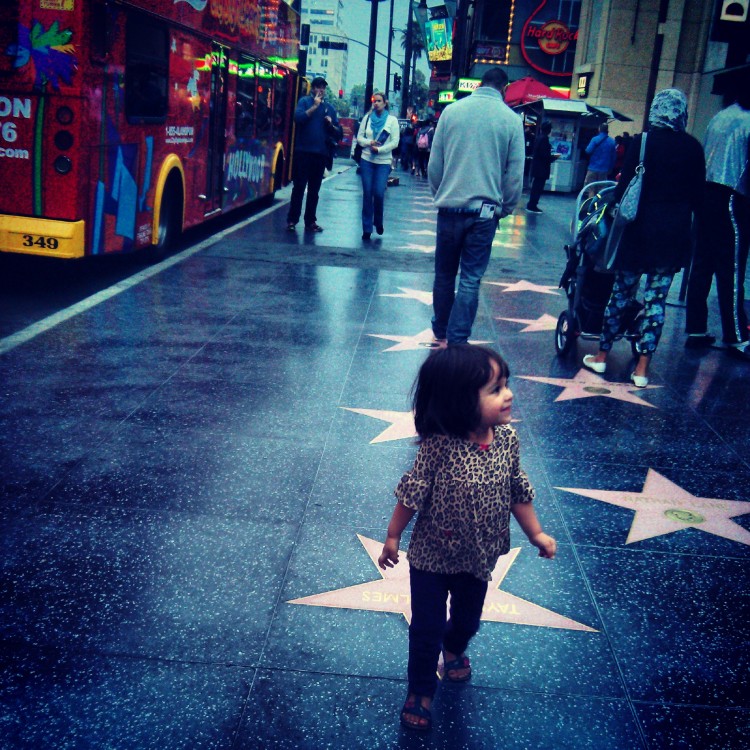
(658, 242)
(378, 135)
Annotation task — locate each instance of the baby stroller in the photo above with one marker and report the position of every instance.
(587, 285)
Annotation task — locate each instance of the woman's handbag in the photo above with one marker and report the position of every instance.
(357, 153)
(626, 211)
(632, 195)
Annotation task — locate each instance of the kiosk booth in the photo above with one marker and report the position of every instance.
(574, 124)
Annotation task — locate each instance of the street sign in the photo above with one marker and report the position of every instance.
(332, 45)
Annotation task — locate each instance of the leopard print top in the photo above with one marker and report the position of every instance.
(462, 493)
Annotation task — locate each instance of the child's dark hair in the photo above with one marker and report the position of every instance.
(446, 391)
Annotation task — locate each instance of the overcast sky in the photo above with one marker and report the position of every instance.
(357, 26)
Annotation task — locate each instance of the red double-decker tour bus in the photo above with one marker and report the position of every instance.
(124, 122)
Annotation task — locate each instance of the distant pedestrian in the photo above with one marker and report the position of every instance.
(723, 231)
(314, 118)
(378, 135)
(601, 153)
(476, 176)
(541, 167)
(406, 149)
(465, 484)
(424, 145)
(657, 243)
(620, 149)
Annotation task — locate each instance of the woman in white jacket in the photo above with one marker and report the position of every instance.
(378, 135)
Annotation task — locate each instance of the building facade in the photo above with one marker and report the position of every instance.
(628, 50)
(324, 18)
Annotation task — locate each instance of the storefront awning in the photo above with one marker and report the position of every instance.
(611, 114)
(572, 107)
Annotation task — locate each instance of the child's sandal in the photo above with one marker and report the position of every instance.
(459, 663)
(414, 707)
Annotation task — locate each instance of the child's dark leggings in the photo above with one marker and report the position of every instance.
(429, 633)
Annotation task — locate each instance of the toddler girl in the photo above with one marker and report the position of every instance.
(465, 483)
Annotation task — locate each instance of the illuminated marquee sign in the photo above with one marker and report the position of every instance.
(468, 84)
(548, 44)
(445, 97)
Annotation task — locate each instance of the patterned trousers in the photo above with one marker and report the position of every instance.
(655, 299)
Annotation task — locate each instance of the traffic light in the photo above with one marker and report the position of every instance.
(396, 82)
(341, 93)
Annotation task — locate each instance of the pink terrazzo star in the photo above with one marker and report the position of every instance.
(526, 286)
(391, 594)
(543, 323)
(424, 297)
(410, 343)
(663, 507)
(401, 423)
(587, 384)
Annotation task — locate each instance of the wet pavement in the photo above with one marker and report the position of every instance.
(198, 472)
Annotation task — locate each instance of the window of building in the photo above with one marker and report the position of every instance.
(595, 22)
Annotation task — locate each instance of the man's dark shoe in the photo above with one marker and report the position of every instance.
(290, 227)
(739, 353)
(534, 210)
(313, 228)
(366, 235)
(379, 228)
(699, 342)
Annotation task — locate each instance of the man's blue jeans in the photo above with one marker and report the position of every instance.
(464, 241)
(374, 182)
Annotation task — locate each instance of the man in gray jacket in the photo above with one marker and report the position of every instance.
(476, 176)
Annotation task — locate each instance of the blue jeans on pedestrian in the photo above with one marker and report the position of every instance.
(374, 182)
(429, 632)
(464, 241)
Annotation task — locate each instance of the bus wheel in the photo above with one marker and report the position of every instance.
(278, 178)
(170, 218)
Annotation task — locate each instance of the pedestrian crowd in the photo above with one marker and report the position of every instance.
(467, 480)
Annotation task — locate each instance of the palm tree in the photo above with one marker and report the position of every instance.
(417, 48)
(417, 44)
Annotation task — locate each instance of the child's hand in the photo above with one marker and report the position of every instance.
(389, 556)
(546, 544)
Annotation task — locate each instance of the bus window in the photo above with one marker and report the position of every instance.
(245, 107)
(280, 93)
(264, 118)
(9, 38)
(146, 71)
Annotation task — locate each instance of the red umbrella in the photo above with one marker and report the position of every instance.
(528, 89)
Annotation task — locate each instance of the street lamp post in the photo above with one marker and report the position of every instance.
(371, 52)
(390, 45)
(405, 87)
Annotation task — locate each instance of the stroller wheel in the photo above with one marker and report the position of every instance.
(565, 336)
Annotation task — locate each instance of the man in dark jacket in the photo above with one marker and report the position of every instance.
(315, 119)
(540, 167)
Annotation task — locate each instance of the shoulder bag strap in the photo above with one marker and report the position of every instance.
(641, 168)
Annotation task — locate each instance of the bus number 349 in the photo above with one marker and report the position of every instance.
(29, 240)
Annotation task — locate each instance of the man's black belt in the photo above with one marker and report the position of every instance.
(458, 210)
